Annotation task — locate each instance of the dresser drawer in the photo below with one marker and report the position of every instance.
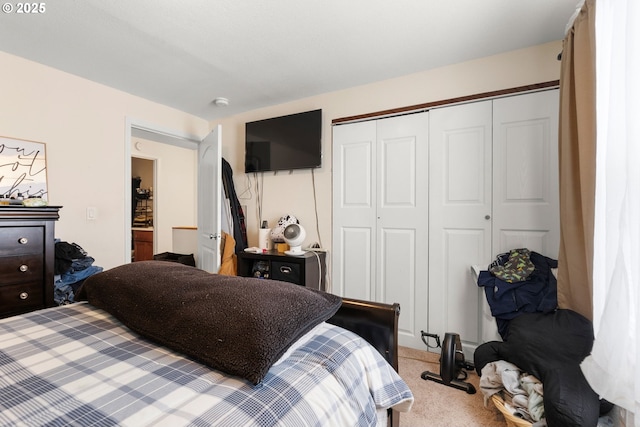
(20, 269)
(27, 258)
(21, 298)
(287, 272)
(21, 240)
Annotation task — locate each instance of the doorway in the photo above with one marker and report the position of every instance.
(167, 209)
(143, 211)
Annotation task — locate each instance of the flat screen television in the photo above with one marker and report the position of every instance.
(284, 143)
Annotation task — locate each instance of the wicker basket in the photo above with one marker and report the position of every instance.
(512, 421)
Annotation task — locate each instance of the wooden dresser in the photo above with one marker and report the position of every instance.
(27, 256)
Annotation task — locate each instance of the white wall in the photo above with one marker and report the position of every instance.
(83, 124)
(286, 193)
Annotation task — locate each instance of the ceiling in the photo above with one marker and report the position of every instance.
(258, 53)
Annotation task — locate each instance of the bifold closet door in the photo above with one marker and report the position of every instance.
(354, 210)
(526, 206)
(493, 187)
(380, 220)
(460, 217)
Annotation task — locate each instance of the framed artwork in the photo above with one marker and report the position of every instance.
(23, 168)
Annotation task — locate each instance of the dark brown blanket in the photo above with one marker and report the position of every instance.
(238, 325)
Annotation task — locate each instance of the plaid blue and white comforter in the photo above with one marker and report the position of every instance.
(76, 365)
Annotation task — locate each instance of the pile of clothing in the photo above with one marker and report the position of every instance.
(521, 392)
(72, 266)
(539, 339)
(519, 281)
(550, 346)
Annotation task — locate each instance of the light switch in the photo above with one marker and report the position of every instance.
(92, 212)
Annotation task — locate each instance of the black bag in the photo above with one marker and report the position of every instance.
(173, 257)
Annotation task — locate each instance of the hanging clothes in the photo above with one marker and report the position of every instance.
(226, 220)
(239, 226)
(228, 258)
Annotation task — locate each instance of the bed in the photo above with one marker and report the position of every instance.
(151, 345)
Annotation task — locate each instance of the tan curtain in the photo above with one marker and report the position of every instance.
(577, 146)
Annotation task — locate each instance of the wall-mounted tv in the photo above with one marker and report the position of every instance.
(284, 143)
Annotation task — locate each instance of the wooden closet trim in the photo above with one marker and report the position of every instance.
(468, 98)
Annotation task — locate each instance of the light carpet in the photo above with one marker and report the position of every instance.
(437, 405)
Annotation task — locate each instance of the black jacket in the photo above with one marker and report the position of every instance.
(239, 226)
(536, 294)
(551, 347)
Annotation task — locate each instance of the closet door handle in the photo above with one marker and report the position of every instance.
(487, 217)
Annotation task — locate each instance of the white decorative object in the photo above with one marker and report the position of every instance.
(294, 236)
(264, 238)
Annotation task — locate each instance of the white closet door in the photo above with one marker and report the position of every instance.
(354, 210)
(403, 221)
(526, 210)
(459, 218)
(419, 199)
(380, 216)
(493, 187)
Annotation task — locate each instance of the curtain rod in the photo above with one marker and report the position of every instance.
(573, 17)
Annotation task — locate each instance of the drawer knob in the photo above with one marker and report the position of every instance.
(23, 295)
(24, 267)
(23, 240)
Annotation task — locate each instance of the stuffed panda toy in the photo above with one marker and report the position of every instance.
(277, 233)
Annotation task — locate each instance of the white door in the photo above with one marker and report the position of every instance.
(354, 210)
(403, 221)
(380, 230)
(526, 211)
(493, 187)
(459, 217)
(209, 204)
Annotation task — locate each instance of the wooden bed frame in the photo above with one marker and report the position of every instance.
(378, 324)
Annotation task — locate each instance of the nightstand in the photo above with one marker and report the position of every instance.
(307, 270)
